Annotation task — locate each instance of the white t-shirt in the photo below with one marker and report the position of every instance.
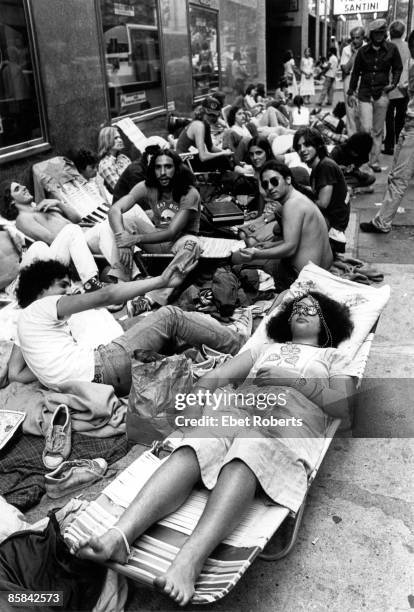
(49, 348)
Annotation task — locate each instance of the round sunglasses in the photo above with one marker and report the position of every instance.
(272, 181)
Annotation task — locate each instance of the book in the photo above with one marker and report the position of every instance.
(224, 212)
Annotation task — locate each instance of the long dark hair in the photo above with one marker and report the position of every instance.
(262, 143)
(231, 117)
(182, 180)
(311, 137)
(8, 208)
(337, 318)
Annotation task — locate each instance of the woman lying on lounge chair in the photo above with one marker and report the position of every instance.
(300, 361)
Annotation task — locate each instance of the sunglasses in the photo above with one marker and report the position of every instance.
(272, 181)
(305, 309)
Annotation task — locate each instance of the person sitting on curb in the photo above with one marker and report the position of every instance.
(328, 184)
(175, 206)
(402, 167)
(46, 350)
(51, 224)
(304, 230)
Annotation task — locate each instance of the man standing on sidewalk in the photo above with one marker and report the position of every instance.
(373, 64)
(403, 165)
(347, 62)
(397, 107)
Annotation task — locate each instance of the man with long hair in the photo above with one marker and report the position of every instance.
(174, 204)
(327, 182)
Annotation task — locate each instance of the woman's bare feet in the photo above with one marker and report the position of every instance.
(109, 546)
(178, 581)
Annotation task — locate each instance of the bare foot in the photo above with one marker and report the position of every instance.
(178, 582)
(109, 546)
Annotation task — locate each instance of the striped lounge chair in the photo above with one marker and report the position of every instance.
(153, 552)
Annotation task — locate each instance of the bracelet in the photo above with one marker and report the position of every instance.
(119, 530)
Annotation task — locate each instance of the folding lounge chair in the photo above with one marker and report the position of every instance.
(69, 187)
(153, 552)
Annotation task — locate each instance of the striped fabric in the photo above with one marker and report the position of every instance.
(86, 200)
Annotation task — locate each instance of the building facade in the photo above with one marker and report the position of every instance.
(67, 67)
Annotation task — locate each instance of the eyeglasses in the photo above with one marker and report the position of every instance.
(272, 181)
(305, 309)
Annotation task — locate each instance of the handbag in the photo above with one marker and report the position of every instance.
(156, 381)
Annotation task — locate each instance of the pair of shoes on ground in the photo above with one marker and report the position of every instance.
(370, 228)
(73, 475)
(58, 439)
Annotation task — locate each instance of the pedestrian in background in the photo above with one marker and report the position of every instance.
(328, 87)
(347, 62)
(398, 98)
(290, 69)
(307, 84)
(372, 67)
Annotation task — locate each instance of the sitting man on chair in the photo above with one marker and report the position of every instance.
(175, 209)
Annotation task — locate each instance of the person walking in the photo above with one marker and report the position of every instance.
(403, 165)
(372, 67)
(347, 62)
(398, 98)
(328, 87)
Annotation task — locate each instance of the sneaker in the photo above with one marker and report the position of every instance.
(371, 228)
(58, 438)
(93, 284)
(138, 305)
(73, 475)
(375, 168)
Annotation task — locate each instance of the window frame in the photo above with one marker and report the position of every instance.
(134, 115)
(216, 11)
(37, 145)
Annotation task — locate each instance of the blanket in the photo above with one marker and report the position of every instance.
(95, 409)
(22, 471)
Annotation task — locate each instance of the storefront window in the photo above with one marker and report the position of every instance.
(133, 58)
(20, 122)
(239, 46)
(204, 49)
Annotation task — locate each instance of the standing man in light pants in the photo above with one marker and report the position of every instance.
(403, 165)
(347, 62)
(372, 66)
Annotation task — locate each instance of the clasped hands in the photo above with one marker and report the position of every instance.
(276, 376)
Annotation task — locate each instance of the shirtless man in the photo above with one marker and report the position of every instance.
(305, 233)
(51, 224)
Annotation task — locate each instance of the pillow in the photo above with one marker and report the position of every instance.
(365, 302)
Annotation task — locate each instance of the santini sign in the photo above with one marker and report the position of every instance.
(347, 7)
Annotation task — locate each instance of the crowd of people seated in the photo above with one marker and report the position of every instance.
(295, 171)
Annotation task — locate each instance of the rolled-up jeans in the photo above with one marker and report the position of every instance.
(154, 332)
(399, 178)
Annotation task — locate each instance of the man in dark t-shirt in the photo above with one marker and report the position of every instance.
(328, 184)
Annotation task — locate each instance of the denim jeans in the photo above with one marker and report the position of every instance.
(372, 117)
(154, 332)
(328, 90)
(398, 180)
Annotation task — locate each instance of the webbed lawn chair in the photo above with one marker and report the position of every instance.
(153, 552)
